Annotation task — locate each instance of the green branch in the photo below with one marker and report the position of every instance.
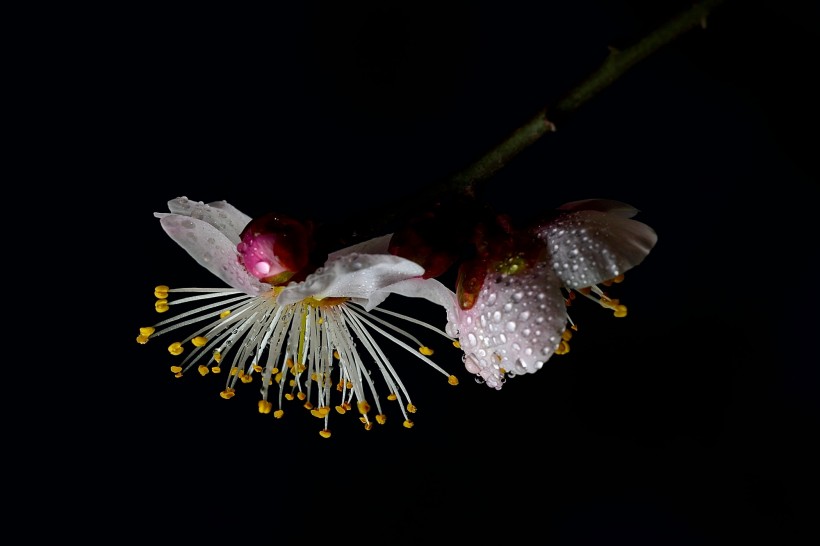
(467, 182)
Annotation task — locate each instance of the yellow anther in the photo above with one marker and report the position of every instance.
(278, 414)
(563, 348)
(308, 404)
(147, 331)
(257, 368)
(199, 341)
(426, 351)
(411, 408)
(234, 370)
(217, 357)
(336, 354)
(392, 396)
(245, 378)
(203, 369)
(142, 340)
(175, 348)
(408, 423)
(566, 335)
(264, 406)
(289, 363)
(324, 409)
(228, 393)
(300, 395)
(368, 425)
(381, 419)
(363, 406)
(453, 380)
(176, 369)
(364, 420)
(216, 369)
(274, 370)
(317, 413)
(314, 377)
(225, 313)
(288, 396)
(299, 368)
(161, 306)
(574, 327)
(618, 279)
(340, 409)
(456, 344)
(349, 384)
(620, 311)
(278, 377)
(178, 375)
(324, 433)
(161, 291)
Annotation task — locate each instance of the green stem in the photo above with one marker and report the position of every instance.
(467, 182)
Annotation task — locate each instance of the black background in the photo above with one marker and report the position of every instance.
(688, 422)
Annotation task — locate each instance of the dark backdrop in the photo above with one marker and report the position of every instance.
(688, 422)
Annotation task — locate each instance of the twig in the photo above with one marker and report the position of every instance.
(468, 181)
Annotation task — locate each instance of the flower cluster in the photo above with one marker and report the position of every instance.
(309, 330)
(513, 303)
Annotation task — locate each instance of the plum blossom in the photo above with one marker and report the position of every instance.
(298, 333)
(513, 315)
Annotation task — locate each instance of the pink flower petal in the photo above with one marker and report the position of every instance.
(515, 325)
(212, 250)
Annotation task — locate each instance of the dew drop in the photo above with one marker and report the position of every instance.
(497, 316)
(491, 298)
(518, 296)
(472, 339)
(524, 315)
(510, 326)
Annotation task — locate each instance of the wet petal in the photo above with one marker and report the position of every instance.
(515, 325)
(588, 247)
(377, 245)
(610, 206)
(212, 250)
(220, 214)
(357, 276)
(429, 289)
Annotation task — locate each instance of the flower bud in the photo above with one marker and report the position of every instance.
(274, 248)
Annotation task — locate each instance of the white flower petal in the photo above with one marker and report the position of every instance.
(431, 290)
(588, 247)
(220, 214)
(515, 325)
(212, 250)
(352, 276)
(611, 206)
(377, 245)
